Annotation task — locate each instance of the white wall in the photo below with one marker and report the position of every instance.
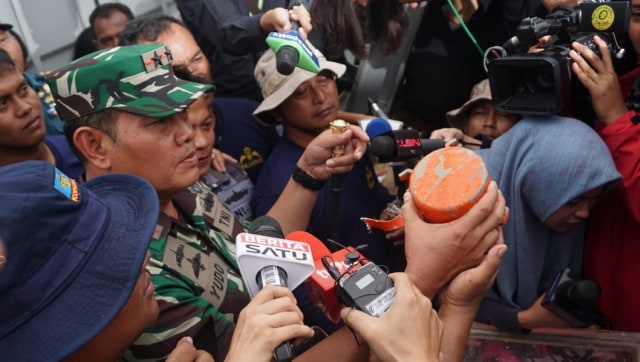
(50, 27)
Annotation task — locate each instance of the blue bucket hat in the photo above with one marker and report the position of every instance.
(74, 254)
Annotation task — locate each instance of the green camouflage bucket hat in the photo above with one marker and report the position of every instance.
(136, 79)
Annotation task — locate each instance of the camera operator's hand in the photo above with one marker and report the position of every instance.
(436, 253)
(538, 316)
(599, 77)
(411, 322)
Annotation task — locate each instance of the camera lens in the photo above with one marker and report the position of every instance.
(539, 80)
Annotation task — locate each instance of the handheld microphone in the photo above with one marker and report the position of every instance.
(292, 51)
(572, 299)
(402, 145)
(266, 258)
(378, 127)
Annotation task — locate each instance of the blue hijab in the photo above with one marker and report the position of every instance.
(540, 164)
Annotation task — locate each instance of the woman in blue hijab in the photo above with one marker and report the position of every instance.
(551, 171)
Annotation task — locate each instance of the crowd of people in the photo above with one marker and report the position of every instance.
(127, 174)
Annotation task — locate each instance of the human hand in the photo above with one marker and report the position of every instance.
(540, 46)
(466, 9)
(467, 289)
(317, 161)
(218, 159)
(186, 352)
(538, 316)
(279, 20)
(300, 14)
(450, 136)
(599, 77)
(438, 252)
(411, 321)
(460, 300)
(271, 318)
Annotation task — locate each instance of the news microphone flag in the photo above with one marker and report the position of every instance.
(255, 252)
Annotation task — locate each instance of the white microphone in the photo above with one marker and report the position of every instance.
(266, 258)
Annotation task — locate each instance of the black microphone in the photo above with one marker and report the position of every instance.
(402, 145)
(266, 258)
(573, 299)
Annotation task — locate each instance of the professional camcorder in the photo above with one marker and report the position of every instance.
(541, 83)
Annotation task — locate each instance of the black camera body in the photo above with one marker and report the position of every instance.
(540, 84)
(573, 299)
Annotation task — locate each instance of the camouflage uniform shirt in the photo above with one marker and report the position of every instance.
(197, 282)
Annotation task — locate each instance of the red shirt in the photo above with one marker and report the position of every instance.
(612, 253)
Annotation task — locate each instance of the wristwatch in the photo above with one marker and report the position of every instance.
(306, 180)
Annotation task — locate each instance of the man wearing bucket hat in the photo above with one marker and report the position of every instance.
(477, 122)
(305, 103)
(125, 111)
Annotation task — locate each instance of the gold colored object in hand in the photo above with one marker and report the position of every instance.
(338, 126)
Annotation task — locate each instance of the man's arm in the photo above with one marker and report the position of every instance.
(245, 34)
(460, 300)
(293, 207)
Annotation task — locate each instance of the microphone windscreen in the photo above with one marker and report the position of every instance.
(287, 58)
(382, 147)
(377, 127)
(266, 226)
(318, 248)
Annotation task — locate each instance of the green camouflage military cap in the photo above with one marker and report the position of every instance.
(136, 79)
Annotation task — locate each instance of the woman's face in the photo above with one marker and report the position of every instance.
(574, 212)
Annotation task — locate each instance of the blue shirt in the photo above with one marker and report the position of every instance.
(362, 196)
(242, 136)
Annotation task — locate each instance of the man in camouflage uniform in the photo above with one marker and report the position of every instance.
(124, 112)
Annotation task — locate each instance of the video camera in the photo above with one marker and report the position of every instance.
(541, 83)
